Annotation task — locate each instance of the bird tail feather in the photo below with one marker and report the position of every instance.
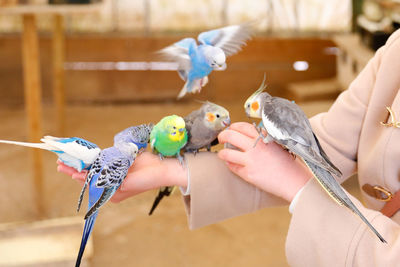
(163, 192)
(87, 230)
(34, 145)
(105, 196)
(334, 189)
(82, 192)
(184, 90)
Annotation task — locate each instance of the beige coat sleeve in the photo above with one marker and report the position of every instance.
(322, 233)
(217, 194)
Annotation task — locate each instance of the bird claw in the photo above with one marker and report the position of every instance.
(261, 135)
(258, 129)
(181, 160)
(160, 156)
(290, 152)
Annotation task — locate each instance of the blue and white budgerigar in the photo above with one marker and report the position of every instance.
(108, 172)
(287, 125)
(196, 61)
(74, 152)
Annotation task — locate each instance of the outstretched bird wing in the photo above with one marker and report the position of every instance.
(179, 53)
(230, 39)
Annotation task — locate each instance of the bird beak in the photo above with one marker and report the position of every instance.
(221, 66)
(226, 122)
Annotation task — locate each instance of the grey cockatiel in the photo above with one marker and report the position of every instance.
(202, 126)
(288, 126)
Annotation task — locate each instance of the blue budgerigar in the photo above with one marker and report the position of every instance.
(196, 61)
(75, 152)
(108, 172)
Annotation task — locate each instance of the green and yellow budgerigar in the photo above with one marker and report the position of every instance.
(167, 139)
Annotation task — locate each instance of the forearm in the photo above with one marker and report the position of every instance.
(217, 194)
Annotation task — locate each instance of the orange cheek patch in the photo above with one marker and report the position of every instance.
(210, 117)
(254, 106)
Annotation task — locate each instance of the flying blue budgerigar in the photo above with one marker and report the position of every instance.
(287, 125)
(74, 152)
(108, 172)
(196, 61)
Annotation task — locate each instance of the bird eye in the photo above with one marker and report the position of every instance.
(248, 105)
(217, 115)
(174, 127)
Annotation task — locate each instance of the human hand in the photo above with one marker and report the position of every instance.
(147, 172)
(267, 166)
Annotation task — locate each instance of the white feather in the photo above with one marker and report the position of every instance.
(34, 145)
(177, 54)
(272, 129)
(74, 149)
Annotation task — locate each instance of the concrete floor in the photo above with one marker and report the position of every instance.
(124, 234)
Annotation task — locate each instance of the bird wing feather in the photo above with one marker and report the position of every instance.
(179, 53)
(230, 39)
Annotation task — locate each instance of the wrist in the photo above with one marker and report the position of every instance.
(300, 176)
(175, 173)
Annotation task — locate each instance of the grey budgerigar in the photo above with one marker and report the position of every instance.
(204, 125)
(287, 125)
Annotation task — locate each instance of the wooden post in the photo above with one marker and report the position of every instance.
(58, 73)
(32, 87)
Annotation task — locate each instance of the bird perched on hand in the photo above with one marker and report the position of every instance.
(287, 125)
(74, 152)
(167, 139)
(204, 125)
(107, 174)
(140, 135)
(196, 61)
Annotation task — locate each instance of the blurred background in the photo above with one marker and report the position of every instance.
(88, 69)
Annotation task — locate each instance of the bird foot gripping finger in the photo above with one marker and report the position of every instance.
(181, 160)
(160, 156)
(259, 130)
(261, 135)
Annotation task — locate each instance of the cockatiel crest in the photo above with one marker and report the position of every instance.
(252, 106)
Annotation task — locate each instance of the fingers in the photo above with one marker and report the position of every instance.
(79, 176)
(237, 169)
(237, 139)
(233, 156)
(65, 169)
(245, 128)
(120, 196)
(135, 183)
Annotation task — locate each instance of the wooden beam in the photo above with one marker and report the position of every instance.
(32, 89)
(58, 73)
